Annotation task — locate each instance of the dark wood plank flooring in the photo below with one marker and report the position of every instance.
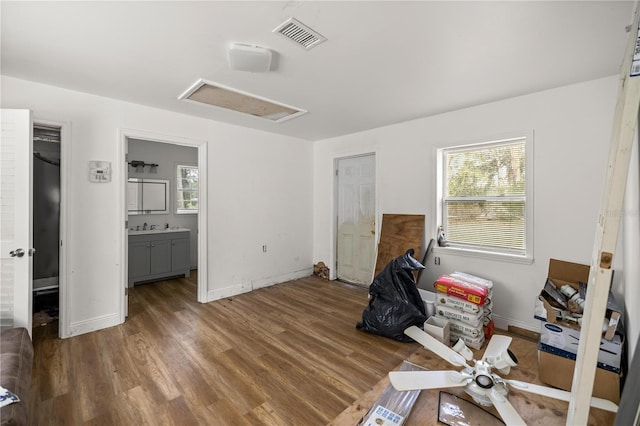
(288, 354)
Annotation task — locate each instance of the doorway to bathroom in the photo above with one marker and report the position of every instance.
(164, 210)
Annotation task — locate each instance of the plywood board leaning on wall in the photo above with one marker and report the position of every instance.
(398, 233)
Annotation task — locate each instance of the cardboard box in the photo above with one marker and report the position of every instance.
(573, 274)
(438, 328)
(557, 371)
(559, 337)
(563, 341)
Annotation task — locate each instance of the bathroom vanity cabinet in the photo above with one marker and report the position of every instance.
(158, 254)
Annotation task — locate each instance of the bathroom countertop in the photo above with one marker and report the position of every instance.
(158, 231)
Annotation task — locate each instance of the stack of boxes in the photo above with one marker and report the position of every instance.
(559, 309)
(464, 300)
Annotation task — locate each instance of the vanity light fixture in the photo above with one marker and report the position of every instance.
(139, 166)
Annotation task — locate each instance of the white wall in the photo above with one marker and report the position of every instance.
(167, 157)
(276, 190)
(259, 192)
(572, 127)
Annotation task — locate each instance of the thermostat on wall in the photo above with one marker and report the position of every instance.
(99, 171)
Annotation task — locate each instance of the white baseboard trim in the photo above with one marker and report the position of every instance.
(234, 290)
(503, 323)
(282, 278)
(93, 324)
(221, 293)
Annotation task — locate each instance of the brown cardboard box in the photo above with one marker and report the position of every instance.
(558, 344)
(557, 371)
(560, 273)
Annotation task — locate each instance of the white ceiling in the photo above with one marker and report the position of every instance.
(384, 62)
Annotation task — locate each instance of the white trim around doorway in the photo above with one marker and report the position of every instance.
(64, 326)
(119, 170)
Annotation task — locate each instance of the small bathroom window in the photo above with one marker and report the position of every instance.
(186, 189)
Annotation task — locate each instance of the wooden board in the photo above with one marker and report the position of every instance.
(625, 122)
(398, 233)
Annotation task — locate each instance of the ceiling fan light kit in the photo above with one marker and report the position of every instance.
(392, 407)
(477, 378)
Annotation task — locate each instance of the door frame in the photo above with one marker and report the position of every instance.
(63, 269)
(334, 222)
(123, 136)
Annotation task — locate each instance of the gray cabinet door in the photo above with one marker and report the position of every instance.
(160, 257)
(139, 262)
(180, 257)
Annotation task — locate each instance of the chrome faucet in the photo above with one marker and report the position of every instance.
(153, 227)
(144, 227)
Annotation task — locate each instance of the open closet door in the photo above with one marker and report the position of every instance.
(16, 151)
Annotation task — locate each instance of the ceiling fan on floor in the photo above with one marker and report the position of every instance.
(479, 381)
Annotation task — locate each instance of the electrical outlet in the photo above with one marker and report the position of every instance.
(436, 260)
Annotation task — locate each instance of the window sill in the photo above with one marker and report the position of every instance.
(499, 257)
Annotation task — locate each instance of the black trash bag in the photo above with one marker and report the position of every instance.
(395, 302)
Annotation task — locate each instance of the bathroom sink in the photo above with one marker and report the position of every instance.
(157, 231)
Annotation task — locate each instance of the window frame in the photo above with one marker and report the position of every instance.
(178, 190)
(470, 250)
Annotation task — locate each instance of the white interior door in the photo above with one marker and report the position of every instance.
(356, 230)
(16, 150)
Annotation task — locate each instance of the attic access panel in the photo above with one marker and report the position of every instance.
(220, 96)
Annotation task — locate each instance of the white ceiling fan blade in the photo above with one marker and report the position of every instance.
(508, 413)
(497, 345)
(435, 346)
(601, 403)
(415, 380)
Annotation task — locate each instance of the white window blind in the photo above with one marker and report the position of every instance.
(484, 196)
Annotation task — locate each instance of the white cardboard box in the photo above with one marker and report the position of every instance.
(563, 341)
(439, 328)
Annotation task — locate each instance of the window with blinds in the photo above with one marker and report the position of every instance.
(484, 196)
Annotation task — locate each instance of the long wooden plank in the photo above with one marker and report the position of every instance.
(398, 233)
(607, 228)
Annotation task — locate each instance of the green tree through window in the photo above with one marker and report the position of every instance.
(484, 196)
(187, 189)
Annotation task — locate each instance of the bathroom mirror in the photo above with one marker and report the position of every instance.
(147, 196)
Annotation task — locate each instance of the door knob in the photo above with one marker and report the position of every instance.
(16, 253)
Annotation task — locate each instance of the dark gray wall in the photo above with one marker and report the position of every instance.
(167, 156)
(46, 209)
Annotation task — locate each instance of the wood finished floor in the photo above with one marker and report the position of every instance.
(288, 354)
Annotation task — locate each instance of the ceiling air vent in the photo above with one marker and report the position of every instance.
(300, 33)
(219, 96)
